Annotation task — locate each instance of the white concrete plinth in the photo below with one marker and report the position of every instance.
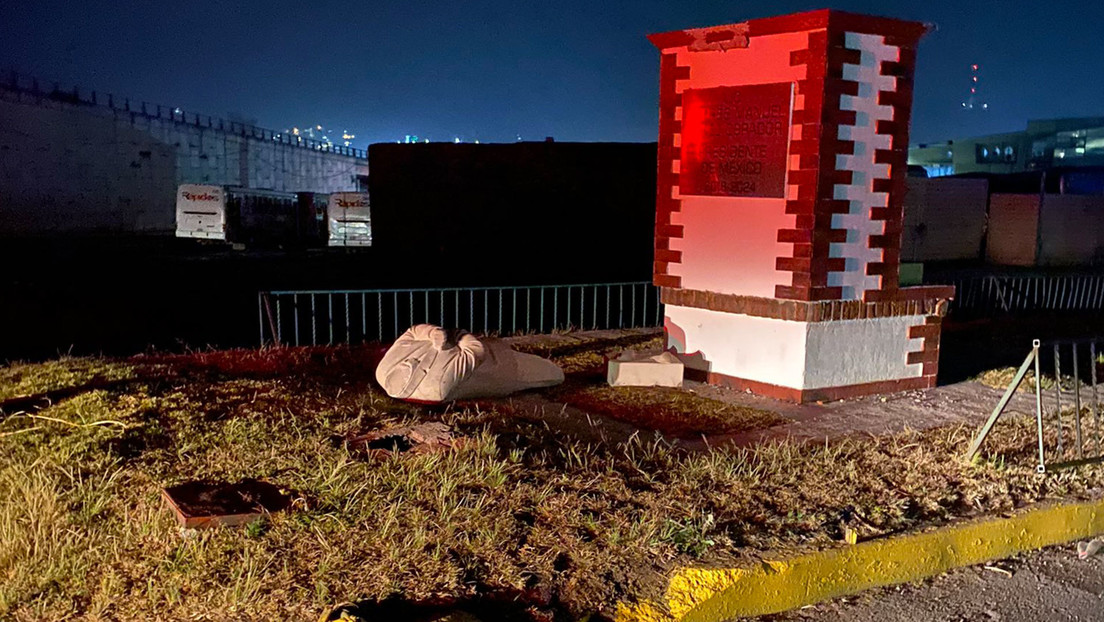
(642, 369)
(796, 355)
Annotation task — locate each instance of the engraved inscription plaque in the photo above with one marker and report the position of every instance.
(735, 140)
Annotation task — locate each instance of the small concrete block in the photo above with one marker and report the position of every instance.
(645, 369)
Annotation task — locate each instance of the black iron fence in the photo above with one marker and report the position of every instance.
(314, 317)
(1002, 295)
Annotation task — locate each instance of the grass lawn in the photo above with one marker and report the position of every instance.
(523, 512)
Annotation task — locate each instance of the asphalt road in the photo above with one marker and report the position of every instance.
(1043, 586)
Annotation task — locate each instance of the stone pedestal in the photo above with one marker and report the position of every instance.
(782, 163)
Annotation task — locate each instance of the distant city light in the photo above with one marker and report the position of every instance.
(321, 135)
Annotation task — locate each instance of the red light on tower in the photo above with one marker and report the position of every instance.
(971, 102)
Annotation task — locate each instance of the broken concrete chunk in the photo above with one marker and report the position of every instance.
(421, 438)
(645, 369)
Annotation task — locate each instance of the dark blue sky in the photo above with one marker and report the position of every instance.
(491, 70)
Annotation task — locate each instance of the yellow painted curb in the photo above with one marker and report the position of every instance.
(710, 594)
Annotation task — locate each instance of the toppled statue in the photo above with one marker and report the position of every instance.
(429, 364)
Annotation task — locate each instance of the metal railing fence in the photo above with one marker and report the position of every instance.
(1067, 402)
(331, 317)
(996, 295)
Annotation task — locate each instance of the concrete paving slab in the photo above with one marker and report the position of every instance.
(964, 402)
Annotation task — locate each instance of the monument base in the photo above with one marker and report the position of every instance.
(807, 351)
(802, 396)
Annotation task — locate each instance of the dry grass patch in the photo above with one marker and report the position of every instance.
(1001, 377)
(521, 511)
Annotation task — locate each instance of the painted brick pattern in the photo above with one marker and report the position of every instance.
(804, 167)
(928, 355)
(668, 204)
(859, 191)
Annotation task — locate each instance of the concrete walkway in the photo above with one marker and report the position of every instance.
(964, 402)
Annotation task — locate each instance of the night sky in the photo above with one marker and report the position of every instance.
(577, 70)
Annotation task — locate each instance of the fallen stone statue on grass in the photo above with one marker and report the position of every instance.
(429, 364)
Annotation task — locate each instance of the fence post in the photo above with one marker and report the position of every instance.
(1077, 403)
(594, 308)
(314, 324)
(632, 293)
(295, 316)
(607, 325)
(568, 306)
(1095, 399)
(1058, 395)
(1039, 407)
(555, 307)
(260, 316)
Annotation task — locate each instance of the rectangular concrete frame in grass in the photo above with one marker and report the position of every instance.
(188, 521)
(741, 245)
(719, 594)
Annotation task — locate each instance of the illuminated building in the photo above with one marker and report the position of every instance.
(1045, 143)
(321, 135)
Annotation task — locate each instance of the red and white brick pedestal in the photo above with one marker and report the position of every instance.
(782, 161)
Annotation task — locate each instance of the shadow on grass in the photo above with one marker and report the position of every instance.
(39, 401)
(532, 605)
